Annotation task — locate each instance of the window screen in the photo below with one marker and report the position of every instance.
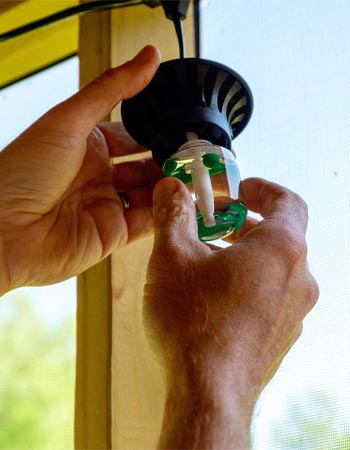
(295, 57)
(37, 325)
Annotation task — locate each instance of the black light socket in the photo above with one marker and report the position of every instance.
(190, 95)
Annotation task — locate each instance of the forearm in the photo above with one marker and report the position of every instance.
(206, 415)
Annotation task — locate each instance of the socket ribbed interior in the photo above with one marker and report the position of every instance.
(190, 95)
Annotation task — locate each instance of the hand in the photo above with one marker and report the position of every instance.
(221, 320)
(59, 208)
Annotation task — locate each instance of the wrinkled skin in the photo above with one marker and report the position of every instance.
(224, 317)
(59, 208)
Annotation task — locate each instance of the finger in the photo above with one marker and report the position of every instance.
(174, 214)
(95, 101)
(139, 222)
(108, 220)
(118, 140)
(136, 173)
(249, 224)
(274, 202)
(140, 197)
(117, 228)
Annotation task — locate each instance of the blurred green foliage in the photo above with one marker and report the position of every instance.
(312, 421)
(37, 366)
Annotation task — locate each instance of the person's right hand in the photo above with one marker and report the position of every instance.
(222, 320)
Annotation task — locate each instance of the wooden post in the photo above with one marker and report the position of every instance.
(94, 326)
(113, 292)
(137, 388)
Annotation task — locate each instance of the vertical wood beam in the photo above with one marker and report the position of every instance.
(93, 368)
(137, 388)
(119, 391)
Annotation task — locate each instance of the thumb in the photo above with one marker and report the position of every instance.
(46, 158)
(81, 112)
(173, 213)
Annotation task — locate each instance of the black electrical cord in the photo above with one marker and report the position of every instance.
(176, 11)
(197, 30)
(102, 5)
(180, 36)
(83, 8)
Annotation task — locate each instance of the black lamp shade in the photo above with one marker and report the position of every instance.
(188, 95)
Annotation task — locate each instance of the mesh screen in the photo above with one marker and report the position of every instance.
(37, 325)
(295, 57)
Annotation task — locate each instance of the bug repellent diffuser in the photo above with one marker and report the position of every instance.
(188, 116)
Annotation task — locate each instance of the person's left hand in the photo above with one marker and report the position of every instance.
(60, 212)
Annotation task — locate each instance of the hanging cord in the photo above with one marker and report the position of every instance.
(180, 36)
(83, 8)
(176, 11)
(197, 31)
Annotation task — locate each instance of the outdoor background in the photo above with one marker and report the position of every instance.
(295, 57)
(37, 325)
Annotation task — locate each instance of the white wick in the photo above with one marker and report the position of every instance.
(203, 190)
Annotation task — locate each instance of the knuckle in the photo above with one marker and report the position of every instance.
(299, 208)
(294, 201)
(179, 214)
(107, 75)
(109, 79)
(298, 202)
(174, 222)
(313, 293)
(289, 243)
(295, 248)
(308, 296)
(175, 212)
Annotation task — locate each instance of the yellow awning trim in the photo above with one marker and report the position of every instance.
(21, 56)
